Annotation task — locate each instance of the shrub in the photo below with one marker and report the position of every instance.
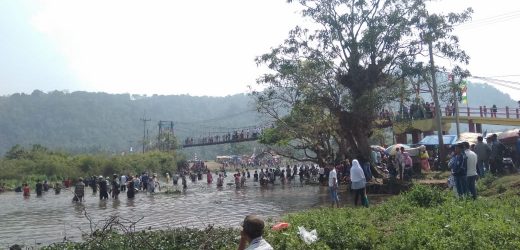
(423, 196)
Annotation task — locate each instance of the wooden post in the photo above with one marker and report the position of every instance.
(468, 111)
(507, 112)
(481, 111)
(517, 114)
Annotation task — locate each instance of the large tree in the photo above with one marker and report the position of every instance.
(349, 63)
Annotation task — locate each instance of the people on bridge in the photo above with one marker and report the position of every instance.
(494, 111)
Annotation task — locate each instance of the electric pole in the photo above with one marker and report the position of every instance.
(455, 103)
(144, 120)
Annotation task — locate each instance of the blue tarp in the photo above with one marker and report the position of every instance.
(433, 140)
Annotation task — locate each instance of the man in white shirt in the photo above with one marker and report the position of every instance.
(333, 186)
(471, 170)
(252, 230)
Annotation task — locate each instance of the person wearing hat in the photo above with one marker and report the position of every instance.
(79, 190)
(251, 234)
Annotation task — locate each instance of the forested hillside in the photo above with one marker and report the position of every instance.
(100, 122)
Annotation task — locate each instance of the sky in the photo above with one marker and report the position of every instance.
(202, 47)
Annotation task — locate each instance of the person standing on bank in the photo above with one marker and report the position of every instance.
(471, 171)
(252, 230)
(458, 167)
(483, 152)
(333, 186)
(357, 178)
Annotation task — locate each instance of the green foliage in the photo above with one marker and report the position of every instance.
(40, 163)
(348, 66)
(423, 196)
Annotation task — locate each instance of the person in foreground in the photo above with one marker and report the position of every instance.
(252, 230)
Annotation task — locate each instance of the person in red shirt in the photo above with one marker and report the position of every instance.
(26, 190)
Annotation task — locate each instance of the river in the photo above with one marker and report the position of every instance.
(51, 218)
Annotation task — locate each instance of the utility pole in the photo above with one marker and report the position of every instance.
(451, 77)
(144, 120)
(436, 101)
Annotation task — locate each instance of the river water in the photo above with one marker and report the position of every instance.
(51, 218)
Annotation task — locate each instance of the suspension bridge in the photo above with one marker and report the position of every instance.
(402, 124)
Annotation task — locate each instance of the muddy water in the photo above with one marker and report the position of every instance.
(51, 218)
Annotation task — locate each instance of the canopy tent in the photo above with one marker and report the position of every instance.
(392, 150)
(469, 137)
(508, 137)
(434, 140)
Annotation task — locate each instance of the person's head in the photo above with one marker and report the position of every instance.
(459, 148)
(402, 149)
(80, 179)
(253, 226)
(480, 139)
(465, 144)
(494, 137)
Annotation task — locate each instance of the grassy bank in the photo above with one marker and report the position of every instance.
(22, 165)
(423, 218)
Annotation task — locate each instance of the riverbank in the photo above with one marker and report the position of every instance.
(423, 218)
(30, 165)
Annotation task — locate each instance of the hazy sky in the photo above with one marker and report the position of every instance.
(203, 47)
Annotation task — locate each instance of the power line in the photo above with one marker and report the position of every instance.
(497, 80)
(490, 20)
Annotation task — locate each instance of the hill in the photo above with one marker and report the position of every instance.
(82, 122)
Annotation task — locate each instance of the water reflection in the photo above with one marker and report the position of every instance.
(52, 217)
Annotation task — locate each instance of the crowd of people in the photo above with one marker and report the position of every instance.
(106, 187)
(237, 135)
(425, 110)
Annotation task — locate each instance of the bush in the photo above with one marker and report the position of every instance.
(423, 196)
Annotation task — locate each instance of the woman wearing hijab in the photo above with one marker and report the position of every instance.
(357, 177)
